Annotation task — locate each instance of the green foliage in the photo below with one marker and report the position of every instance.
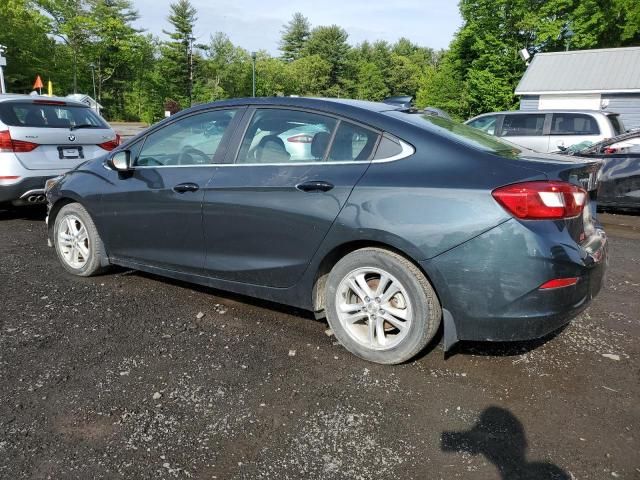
(482, 68)
(294, 37)
(177, 53)
(330, 44)
(24, 34)
(136, 73)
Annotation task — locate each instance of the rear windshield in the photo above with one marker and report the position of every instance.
(23, 114)
(460, 133)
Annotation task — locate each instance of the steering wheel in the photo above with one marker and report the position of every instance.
(193, 156)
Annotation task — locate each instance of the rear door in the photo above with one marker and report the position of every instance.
(569, 129)
(527, 130)
(266, 214)
(66, 134)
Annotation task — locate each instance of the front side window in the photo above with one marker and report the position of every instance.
(485, 124)
(193, 140)
(286, 136)
(523, 125)
(574, 124)
(352, 143)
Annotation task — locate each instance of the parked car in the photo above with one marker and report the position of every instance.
(395, 223)
(549, 130)
(619, 181)
(42, 137)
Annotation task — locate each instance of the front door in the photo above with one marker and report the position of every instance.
(155, 211)
(266, 214)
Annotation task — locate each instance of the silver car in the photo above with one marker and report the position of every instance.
(43, 137)
(549, 130)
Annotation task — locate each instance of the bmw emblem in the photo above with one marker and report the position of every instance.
(72, 138)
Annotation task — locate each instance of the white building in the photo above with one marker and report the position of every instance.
(601, 79)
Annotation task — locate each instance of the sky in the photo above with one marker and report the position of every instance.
(256, 25)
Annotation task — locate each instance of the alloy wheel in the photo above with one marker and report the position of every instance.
(374, 308)
(73, 242)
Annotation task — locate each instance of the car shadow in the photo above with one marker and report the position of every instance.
(235, 297)
(502, 349)
(501, 438)
(499, 349)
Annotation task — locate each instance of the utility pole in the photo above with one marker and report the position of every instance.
(191, 40)
(253, 58)
(3, 63)
(93, 79)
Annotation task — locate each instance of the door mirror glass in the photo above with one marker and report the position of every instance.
(121, 160)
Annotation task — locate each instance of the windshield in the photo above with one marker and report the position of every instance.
(39, 115)
(461, 133)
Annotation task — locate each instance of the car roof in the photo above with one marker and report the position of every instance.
(19, 97)
(337, 105)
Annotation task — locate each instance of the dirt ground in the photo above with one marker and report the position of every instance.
(133, 376)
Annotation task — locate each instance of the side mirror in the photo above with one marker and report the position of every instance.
(121, 161)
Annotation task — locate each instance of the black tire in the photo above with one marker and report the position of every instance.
(97, 261)
(426, 311)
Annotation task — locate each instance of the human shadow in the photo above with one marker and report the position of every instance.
(500, 437)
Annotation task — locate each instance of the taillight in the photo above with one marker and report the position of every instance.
(7, 144)
(541, 200)
(111, 144)
(559, 283)
(302, 138)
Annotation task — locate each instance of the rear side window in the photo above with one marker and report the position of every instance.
(352, 143)
(522, 125)
(574, 124)
(387, 148)
(40, 115)
(616, 123)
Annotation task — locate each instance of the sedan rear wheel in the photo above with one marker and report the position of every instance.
(77, 242)
(380, 306)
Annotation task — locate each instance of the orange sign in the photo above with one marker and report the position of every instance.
(38, 83)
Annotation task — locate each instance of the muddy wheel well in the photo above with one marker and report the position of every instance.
(53, 213)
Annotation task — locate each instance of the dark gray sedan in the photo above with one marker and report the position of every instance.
(394, 223)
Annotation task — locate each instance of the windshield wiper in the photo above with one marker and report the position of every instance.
(82, 125)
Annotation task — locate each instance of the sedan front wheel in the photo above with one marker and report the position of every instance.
(77, 243)
(380, 306)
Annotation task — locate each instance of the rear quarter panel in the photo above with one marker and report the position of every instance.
(430, 202)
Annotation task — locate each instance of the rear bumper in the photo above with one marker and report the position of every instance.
(491, 284)
(29, 185)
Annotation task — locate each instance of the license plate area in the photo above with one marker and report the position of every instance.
(70, 152)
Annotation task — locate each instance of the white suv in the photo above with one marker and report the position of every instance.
(549, 130)
(43, 137)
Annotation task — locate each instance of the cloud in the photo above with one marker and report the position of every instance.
(256, 25)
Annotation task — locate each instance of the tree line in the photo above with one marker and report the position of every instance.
(79, 43)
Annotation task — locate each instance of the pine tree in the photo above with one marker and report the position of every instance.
(177, 52)
(294, 37)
